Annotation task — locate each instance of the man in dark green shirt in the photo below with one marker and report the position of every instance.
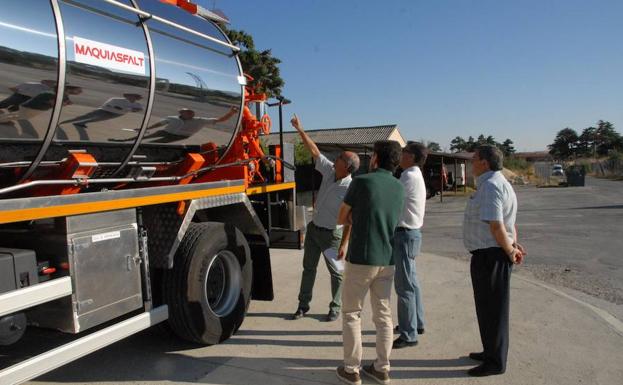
(373, 205)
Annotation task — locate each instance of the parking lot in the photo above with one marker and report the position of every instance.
(573, 235)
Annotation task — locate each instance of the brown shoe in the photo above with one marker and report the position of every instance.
(348, 378)
(380, 377)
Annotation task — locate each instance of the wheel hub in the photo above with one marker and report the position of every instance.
(223, 283)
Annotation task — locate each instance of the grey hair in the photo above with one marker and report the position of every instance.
(352, 160)
(492, 155)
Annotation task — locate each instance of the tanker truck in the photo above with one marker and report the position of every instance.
(133, 187)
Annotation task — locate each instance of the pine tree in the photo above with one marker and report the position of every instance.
(565, 144)
(458, 144)
(507, 147)
(261, 65)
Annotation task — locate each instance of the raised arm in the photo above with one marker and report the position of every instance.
(157, 124)
(232, 111)
(307, 141)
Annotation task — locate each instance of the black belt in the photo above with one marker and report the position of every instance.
(480, 251)
(401, 229)
(321, 228)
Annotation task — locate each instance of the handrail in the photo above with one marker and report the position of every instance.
(148, 15)
(82, 181)
(86, 181)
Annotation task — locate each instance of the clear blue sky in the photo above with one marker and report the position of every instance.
(441, 68)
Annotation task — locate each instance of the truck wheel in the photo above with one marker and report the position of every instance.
(209, 288)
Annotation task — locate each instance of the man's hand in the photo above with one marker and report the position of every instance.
(520, 254)
(341, 254)
(517, 255)
(521, 248)
(296, 123)
(307, 141)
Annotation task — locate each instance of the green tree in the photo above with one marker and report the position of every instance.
(507, 148)
(491, 140)
(587, 142)
(565, 144)
(458, 144)
(607, 137)
(595, 141)
(471, 144)
(433, 146)
(261, 65)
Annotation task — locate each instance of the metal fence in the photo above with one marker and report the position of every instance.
(543, 172)
(609, 167)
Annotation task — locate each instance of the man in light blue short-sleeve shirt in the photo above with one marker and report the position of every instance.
(490, 235)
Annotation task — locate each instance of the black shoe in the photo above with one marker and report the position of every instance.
(483, 370)
(397, 330)
(480, 356)
(399, 343)
(332, 316)
(299, 313)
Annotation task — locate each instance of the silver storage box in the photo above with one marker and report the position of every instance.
(104, 264)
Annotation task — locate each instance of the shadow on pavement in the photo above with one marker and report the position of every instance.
(151, 356)
(599, 207)
(297, 332)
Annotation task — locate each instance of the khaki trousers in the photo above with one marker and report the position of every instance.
(358, 280)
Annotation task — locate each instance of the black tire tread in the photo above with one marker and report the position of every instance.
(175, 282)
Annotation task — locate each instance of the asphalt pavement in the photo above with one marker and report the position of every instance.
(574, 235)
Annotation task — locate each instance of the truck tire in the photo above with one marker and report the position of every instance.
(209, 288)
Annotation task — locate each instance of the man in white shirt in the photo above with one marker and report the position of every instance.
(183, 126)
(322, 232)
(407, 243)
(24, 92)
(111, 109)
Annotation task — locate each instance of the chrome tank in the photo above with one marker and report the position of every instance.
(100, 77)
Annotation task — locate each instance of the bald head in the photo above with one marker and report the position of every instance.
(346, 164)
(352, 161)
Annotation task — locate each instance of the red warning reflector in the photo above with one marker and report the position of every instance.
(48, 270)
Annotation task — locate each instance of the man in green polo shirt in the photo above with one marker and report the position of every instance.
(373, 205)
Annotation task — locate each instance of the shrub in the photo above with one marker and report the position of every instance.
(302, 156)
(516, 164)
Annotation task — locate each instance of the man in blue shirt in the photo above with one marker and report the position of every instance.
(490, 235)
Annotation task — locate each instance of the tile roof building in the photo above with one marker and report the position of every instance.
(358, 139)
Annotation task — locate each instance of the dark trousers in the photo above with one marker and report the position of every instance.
(491, 274)
(12, 102)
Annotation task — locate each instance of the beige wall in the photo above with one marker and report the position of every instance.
(398, 138)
